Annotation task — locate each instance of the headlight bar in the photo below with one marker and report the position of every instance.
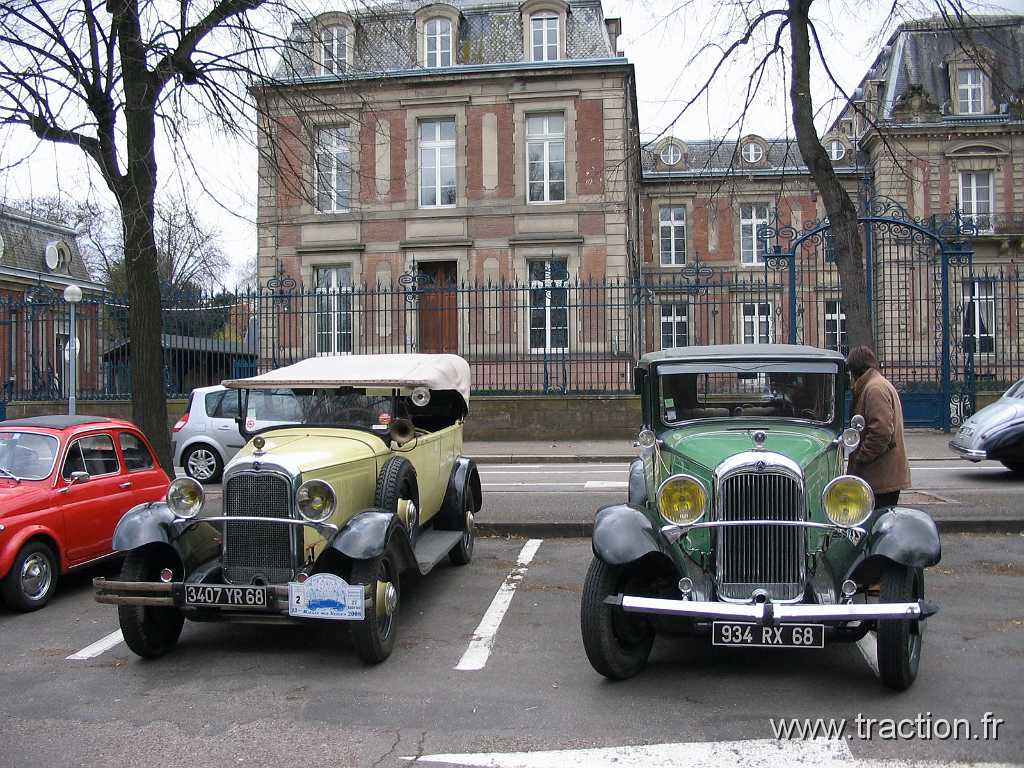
(674, 532)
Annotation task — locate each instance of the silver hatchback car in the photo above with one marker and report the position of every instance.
(207, 435)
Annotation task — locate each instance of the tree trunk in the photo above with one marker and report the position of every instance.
(841, 211)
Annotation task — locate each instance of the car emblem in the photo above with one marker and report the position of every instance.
(256, 465)
(761, 466)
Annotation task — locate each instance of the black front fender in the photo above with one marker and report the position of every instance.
(368, 534)
(637, 495)
(901, 535)
(194, 541)
(623, 534)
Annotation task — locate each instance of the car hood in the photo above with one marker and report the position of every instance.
(301, 449)
(1001, 413)
(21, 497)
(708, 445)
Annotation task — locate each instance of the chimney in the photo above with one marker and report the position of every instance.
(614, 27)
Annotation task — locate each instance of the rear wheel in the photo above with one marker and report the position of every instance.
(203, 463)
(32, 579)
(462, 552)
(374, 636)
(1013, 466)
(150, 631)
(616, 643)
(899, 640)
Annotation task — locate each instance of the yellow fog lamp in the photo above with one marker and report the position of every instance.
(315, 501)
(682, 499)
(847, 501)
(185, 497)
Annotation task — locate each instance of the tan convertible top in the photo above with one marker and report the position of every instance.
(436, 372)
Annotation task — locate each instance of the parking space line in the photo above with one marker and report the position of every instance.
(100, 646)
(479, 649)
(868, 647)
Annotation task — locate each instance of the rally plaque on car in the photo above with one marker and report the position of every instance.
(325, 596)
(757, 636)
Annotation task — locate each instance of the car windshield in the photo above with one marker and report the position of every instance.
(343, 407)
(27, 455)
(1017, 390)
(807, 395)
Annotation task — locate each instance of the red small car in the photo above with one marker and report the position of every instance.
(65, 482)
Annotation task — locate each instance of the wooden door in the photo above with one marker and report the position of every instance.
(438, 308)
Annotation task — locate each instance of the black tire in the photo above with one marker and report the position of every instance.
(462, 552)
(899, 640)
(32, 579)
(617, 644)
(374, 636)
(212, 458)
(150, 631)
(397, 480)
(1013, 466)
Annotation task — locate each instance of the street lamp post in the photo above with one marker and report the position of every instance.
(72, 295)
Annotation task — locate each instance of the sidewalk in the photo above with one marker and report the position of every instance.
(922, 445)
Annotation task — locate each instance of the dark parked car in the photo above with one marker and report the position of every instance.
(996, 432)
(741, 525)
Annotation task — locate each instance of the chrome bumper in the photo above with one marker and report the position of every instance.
(771, 613)
(971, 454)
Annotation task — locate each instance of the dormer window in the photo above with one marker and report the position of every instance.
(333, 50)
(970, 91)
(836, 150)
(671, 154)
(752, 152)
(438, 49)
(544, 37)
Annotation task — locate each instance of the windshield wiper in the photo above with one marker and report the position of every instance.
(10, 474)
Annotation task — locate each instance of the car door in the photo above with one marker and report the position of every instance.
(146, 481)
(91, 506)
(222, 412)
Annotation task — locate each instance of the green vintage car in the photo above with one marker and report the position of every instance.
(740, 524)
(321, 514)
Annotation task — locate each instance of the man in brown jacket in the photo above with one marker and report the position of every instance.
(881, 457)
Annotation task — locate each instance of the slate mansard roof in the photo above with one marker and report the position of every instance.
(916, 57)
(490, 32)
(714, 158)
(25, 239)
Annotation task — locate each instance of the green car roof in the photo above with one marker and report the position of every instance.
(721, 352)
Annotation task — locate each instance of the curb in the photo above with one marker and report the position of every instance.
(622, 458)
(567, 530)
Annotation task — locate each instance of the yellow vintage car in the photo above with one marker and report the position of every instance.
(321, 514)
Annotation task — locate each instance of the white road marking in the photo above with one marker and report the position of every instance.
(868, 647)
(755, 753)
(593, 484)
(616, 471)
(479, 649)
(100, 646)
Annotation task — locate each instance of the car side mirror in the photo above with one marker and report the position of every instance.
(857, 422)
(78, 477)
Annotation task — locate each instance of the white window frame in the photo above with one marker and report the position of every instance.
(835, 326)
(751, 148)
(970, 94)
(760, 324)
(980, 291)
(969, 198)
(674, 315)
(836, 150)
(752, 256)
(334, 39)
(675, 224)
(435, 147)
(671, 154)
(547, 140)
(441, 36)
(334, 305)
(548, 25)
(333, 155)
(547, 285)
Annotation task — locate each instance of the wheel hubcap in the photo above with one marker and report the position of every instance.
(35, 577)
(202, 464)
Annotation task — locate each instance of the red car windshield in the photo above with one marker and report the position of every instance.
(27, 455)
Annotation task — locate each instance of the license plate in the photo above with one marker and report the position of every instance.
(754, 635)
(216, 594)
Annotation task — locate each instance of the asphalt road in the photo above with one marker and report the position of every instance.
(248, 695)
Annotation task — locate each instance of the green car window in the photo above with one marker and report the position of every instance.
(687, 396)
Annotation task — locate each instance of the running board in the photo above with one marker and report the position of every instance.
(432, 547)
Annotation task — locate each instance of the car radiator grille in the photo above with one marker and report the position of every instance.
(255, 550)
(760, 557)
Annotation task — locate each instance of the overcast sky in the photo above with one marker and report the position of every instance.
(660, 37)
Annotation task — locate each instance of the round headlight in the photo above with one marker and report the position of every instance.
(316, 501)
(848, 501)
(682, 499)
(185, 497)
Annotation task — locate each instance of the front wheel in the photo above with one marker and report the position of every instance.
(1013, 466)
(150, 631)
(899, 640)
(374, 636)
(32, 579)
(617, 644)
